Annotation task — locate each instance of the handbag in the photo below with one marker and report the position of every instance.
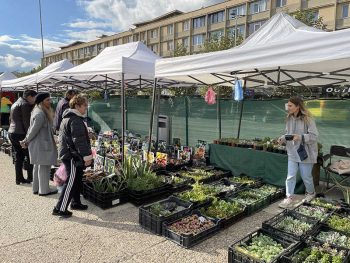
(301, 150)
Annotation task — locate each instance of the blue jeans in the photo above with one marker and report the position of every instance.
(305, 172)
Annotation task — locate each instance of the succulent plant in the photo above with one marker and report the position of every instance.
(293, 226)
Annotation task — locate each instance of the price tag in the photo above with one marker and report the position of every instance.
(202, 219)
(115, 202)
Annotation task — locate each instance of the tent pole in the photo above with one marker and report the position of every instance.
(152, 115)
(241, 112)
(186, 108)
(157, 118)
(218, 110)
(123, 117)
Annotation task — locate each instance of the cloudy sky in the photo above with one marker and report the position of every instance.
(65, 21)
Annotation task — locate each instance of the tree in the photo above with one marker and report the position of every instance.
(26, 73)
(308, 18)
(180, 50)
(221, 43)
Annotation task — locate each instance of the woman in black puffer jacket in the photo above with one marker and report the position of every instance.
(75, 152)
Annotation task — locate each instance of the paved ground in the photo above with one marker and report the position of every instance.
(29, 233)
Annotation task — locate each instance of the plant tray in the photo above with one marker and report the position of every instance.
(149, 196)
(332, 202)
(212, 178)
(154, 223)
(185, 185)
(103, 200)
(237, 256)
(324, 228)
(270, 225)
(253, 207)
(226, 182)
(288, 257)
(188, 241)
(258, 181)
(327, 215)
(341, 216)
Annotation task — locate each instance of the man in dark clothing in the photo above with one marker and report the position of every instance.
(19, 124)
(62, 105)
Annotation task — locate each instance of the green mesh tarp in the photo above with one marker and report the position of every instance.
(260, 118)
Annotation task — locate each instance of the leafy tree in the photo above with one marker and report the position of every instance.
(308, 18)
(221, 43)
(180, 50)
(26, 73)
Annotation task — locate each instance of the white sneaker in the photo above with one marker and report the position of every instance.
(309, 197)
(286, 203)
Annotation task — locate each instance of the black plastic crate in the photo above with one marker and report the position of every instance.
(225, 182)
(188, 241)
(237, 256)
(176, 187)
(270, 224)
(149, 196)
(103, 200)
(288, 257)
(252, 207)
(327, 214)
(324, 228)
(153, 223)
(229, 221)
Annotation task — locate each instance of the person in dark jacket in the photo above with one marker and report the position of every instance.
(62, 105)
(19, 124)
(74, 151)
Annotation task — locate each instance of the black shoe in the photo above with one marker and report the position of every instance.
(49, 193)
(23, 181)
(35, 193)
(78, 207)
(64, 214)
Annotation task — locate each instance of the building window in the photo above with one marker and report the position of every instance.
(255, 26)
(216, 34)
(170, 46)
(185, 42)
(154, 33)
(240, 31)
(154, 48)
(258, 7)
(345, 11)
(216, 17)
(199, 22)
(281, 3)
(186, 25)
(170, 29)
(198, 40)
(115, 42)
(236, 11)
(143, 36)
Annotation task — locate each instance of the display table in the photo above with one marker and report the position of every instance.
(272, 167)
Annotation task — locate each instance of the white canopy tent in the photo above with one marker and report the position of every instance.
(133, 62)
(40, 78)
(7, 76)
(283, 51)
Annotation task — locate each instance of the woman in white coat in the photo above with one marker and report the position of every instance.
(41, 144)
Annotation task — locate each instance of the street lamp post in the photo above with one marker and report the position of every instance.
(236, 16)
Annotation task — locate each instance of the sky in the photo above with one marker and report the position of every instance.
(66, 21)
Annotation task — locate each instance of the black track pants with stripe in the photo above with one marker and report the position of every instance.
(72, 187)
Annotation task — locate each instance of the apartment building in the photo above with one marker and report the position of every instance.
(191, 29)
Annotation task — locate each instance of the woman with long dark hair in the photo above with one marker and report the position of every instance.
(300, 129)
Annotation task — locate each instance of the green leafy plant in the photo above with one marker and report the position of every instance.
(198, 174)
(339, 223)
(323, 203)
(313, 211)
(199, 193)
(248, 197)
(261, 247)
(293, 226)
(322, 254)
(165, 208)
(223, 209)
(334, 238)
(243, 180)
(110, 184)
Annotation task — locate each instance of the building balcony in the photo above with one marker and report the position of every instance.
(343, 23)
(309, 4)
(259, 16)
(286, 9)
